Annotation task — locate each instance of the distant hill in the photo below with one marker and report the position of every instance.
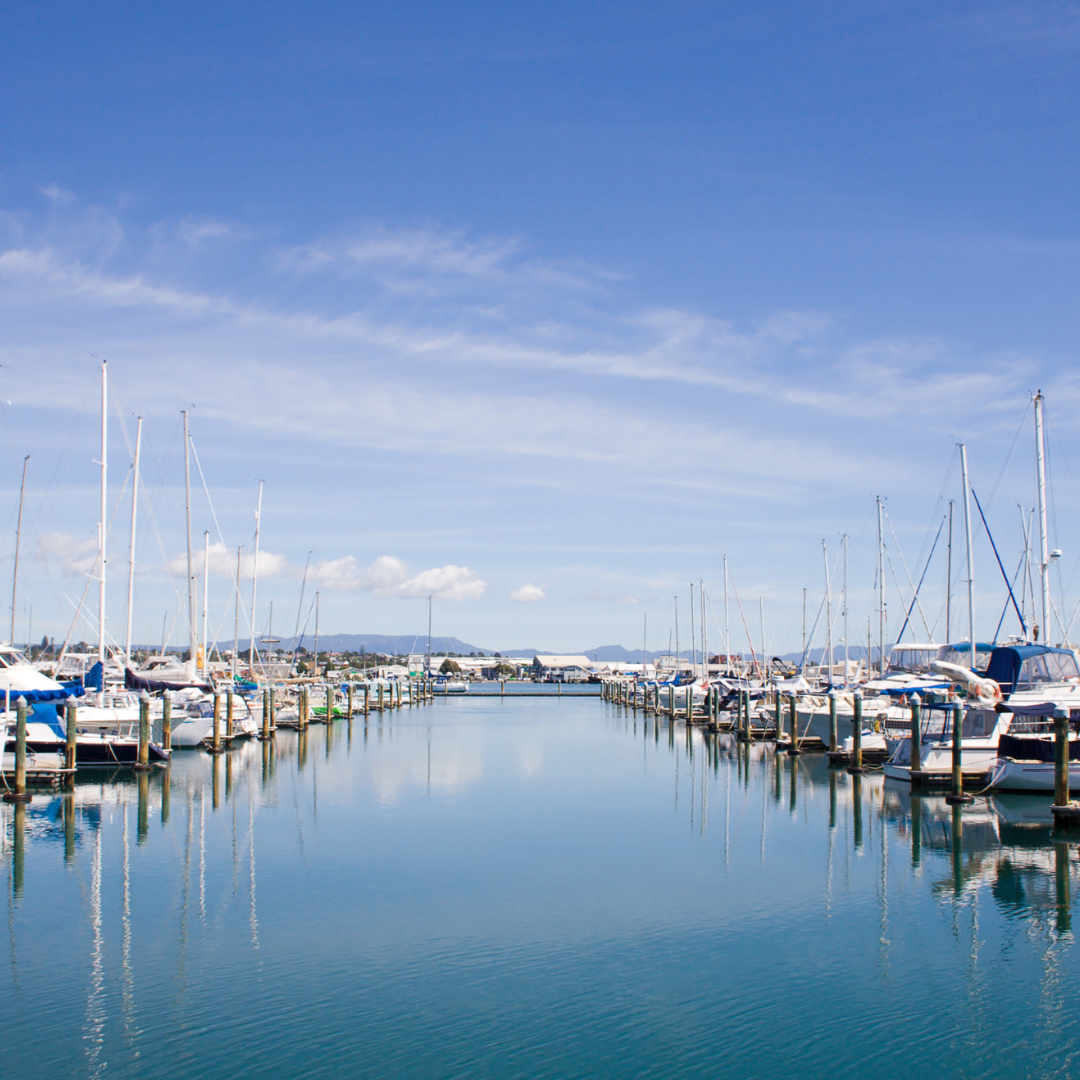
(388, 644)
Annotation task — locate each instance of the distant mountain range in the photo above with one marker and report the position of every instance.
(402, 644)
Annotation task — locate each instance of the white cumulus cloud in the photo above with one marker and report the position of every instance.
(76, 557)
(389, 576)
(527, 594)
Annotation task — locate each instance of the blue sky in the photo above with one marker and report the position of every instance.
(507, 295)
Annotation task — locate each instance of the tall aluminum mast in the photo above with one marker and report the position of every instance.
(967, 541)
(131, 542)
(18, 534)
(192, 632)
(1044, 554)
(104, 514)
(255, 581)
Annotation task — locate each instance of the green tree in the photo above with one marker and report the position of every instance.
(449, 667)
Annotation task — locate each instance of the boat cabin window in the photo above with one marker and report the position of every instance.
(978, 723)
(915, 660)
(1050, 667)
(9, 658)
(963, 657)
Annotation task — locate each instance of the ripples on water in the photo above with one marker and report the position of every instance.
(531, 888)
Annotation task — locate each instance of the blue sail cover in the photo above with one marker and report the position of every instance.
(94, 679)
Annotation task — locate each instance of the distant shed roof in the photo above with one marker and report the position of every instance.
(562, 661)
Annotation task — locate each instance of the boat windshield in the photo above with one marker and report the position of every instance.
(962, 657)
(11, 658)
(914, 660)
(1047, 668)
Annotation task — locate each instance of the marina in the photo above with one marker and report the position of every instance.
(535, 887)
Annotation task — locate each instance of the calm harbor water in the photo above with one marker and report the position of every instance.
(531, 888)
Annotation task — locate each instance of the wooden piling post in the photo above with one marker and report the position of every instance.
(367, 698)
(1066, 814)
(793, 749)
(72, 712)
(379, 704)
(329, 704)
(229, 730)
(956, 797)
(779, 714)
(215, 746)
(266, 714)
(916, 733)
(20, 794)
(833, 737)
(350, 693)
(856, 766)
(144, 732)
(166, 720)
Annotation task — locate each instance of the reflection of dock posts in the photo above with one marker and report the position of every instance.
(916, 830)
(69, 748)
(350, 706)
(957, 848)
(916, 734)
(329, 739)
(833, 737)
(779, 792)
(20, 794)
(856, 809)
(794, 778)
(742, 728)
(956, 797)
(301, 750)
(144, 732)
(18, 849)
(856, 766)
(228, 776)
(793, 749)
(69, 828)
(215, 782)
(1061, 882)
(832, 798)
(229, 714)
(166, 720)
(143, 828)
(166, 787)
(265, 762)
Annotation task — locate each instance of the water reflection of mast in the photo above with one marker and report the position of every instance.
(253, 917)
(127, 993)
(95, 1012)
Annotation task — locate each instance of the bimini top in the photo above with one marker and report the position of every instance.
(1025, 667)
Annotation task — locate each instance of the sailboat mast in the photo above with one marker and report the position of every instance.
(255, 580)
(1044, 554)
(429, 635)
(704, 635)
(727, 619)
(104, 514)
(236, 614)
(677, 659)
(131, 541)
(828, 609)
(192, 635)
(205, 600)
(761, 617)
(644, 640)
(881, 589)
(948, 582)
(18, 534)
(846, 676)
(967, 541)
(316, 635)
(693, 636)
